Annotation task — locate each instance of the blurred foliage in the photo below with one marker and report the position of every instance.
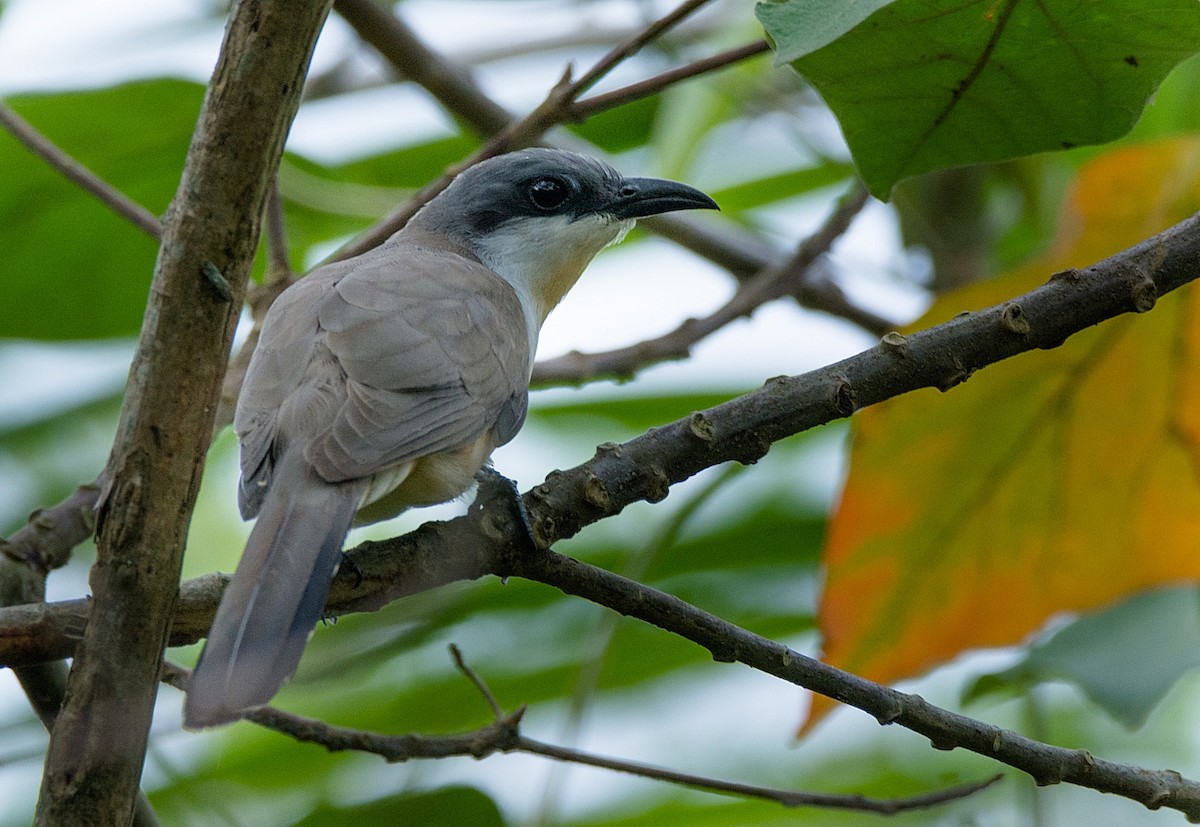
(742, 543)
(1031, 481)
(1126, 658)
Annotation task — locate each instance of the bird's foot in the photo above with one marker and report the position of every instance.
(495, 487)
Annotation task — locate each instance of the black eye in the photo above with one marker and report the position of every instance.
(549, 193)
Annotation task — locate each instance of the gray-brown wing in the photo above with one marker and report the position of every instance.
(435, 351)
(277, 369)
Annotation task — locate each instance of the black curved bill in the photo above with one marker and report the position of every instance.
(639, 197)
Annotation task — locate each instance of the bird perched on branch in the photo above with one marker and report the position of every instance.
(385, 381)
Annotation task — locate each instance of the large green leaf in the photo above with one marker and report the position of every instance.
(1125, 659)
(73, 268)
(921, 85)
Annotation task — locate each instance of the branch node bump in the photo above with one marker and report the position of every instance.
(845, 400)
(755, 448)
(544, 531)
(891, 714)
(214, 277)
(43, 520)
(492, 526)
(1159, 797)
(701, 427)
(1049, 779)
(596, 493)
(1089, 760)
(544, 490)
(1014, 320)
(1070, 275)
(658, 486)
(608, 448)
(1144, 293)
(895, 342)
(960, 374)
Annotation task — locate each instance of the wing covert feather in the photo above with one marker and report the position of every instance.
(435, 349)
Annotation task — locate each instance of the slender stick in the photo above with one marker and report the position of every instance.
(78, 174)
(587, 107)
(503, 735)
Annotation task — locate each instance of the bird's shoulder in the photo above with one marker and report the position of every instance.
(418, 314)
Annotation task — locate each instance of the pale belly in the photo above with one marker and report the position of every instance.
(429, 480)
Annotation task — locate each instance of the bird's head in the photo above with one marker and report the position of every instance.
(538, 216)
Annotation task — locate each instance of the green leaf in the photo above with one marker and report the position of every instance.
(797, 28)
(449, 805)
(1125, 659)
(927, 84)
(73, 268)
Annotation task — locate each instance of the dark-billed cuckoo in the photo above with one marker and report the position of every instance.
(385, 381)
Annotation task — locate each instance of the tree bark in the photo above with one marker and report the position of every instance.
(94, 762)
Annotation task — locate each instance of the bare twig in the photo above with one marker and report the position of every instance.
(474, 678)
(787, 798)
(503, 735)
(787, 278)
(45, 542)
(449, 82)
(279, 267)
(631, 46)
(587, 107)
(78, 174)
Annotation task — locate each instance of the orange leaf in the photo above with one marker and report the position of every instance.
(1056, 481)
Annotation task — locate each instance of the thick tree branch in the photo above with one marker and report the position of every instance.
(211, 232)
(78, 174)
(740, 430)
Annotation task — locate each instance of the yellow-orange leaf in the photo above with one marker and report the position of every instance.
(1055, 481)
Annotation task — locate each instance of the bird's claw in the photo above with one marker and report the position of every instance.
(495, 487)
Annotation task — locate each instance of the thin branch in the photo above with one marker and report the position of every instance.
(45, 542)
(787, 278)
(787, 798)
(279, 267)
(474, 678)
(632, 46)
(945, 730)
(587, 107)
(449, 82)
(77, 173)
(503, 735)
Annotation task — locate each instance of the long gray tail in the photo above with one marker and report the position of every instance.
(276, 596)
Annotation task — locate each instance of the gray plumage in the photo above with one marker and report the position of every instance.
(385, 381)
